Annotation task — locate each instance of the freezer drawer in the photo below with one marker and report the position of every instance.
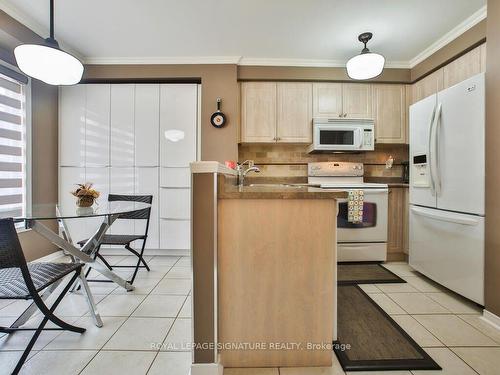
(448, 248)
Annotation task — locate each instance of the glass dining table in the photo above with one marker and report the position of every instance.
(35, 218)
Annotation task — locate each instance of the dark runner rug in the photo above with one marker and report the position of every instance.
(365, 273)
(369, 340)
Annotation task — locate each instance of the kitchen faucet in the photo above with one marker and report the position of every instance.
(242, 172)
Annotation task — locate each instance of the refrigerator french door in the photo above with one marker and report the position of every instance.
(447, 187)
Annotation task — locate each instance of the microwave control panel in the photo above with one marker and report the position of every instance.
(368, 139)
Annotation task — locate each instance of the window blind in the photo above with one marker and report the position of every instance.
(12, 146)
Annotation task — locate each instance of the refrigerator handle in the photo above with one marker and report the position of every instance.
(445, 216)
(435, 150)
(429, 152)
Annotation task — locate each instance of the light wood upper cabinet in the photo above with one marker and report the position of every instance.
(327, 100)
(389, 110)
(357, 100)
(258, 111)
(428, 86)
(462, 68)
(466, 66)
(349, 100)
(482, 49)
(294, 120)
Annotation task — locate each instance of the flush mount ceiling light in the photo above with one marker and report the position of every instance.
(47, 62)
(367, 64)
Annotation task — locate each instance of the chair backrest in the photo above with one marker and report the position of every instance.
(141, 214)
(12, 256)
(11, 252)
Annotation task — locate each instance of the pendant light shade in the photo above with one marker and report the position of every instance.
(367, 64)
(47, 62)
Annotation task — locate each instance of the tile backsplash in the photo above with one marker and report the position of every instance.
(290, 160)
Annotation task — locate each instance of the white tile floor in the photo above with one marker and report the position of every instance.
(447, 326)
(156, 315)
(145, 331)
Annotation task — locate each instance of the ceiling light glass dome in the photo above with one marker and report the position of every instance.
(367, 64)
(47, 62)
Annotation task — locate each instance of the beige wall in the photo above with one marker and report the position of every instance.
(216, 81)
(44, 139)
(492, 277)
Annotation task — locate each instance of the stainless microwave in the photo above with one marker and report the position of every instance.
(342, 135)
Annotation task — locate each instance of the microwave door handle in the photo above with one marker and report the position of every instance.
(360, 138)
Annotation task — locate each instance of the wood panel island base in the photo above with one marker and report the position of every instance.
(270, 269)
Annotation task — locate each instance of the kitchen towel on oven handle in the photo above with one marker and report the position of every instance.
(355, 206)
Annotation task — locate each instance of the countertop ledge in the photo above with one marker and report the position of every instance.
(392, 182)
(211, 167)
(254, 192)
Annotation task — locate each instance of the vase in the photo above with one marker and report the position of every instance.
(85, 201)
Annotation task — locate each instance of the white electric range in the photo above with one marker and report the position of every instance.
(357, 242)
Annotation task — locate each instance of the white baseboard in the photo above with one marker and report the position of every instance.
(491, 319)
(51, 257)
(206, 369)
(150, 252)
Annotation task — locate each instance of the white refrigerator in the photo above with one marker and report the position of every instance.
(447, 187)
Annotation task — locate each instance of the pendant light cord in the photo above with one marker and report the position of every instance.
(52, 19)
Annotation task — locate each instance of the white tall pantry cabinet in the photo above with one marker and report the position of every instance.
(113, 135)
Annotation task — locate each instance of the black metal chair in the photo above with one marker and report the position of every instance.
(126, 239)
(22, 280)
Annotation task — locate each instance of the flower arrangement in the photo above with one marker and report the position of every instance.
(85, 194)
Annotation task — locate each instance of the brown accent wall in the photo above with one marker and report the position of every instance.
(492, 271)
(216, 80)
(473, 37)
(44, 105)
(290, 73)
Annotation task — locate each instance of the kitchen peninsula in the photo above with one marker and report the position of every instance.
(264, 261)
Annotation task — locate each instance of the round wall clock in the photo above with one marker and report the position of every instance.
(218, 119)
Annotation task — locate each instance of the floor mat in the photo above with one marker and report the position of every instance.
(369, 340)
(365, 273)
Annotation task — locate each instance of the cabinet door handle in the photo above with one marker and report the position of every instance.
(278, 139)
(340, 115)
(345, 114)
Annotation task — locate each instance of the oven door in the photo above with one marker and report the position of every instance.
(330, 137)
(374, 225)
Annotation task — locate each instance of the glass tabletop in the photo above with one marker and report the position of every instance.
(71, 211)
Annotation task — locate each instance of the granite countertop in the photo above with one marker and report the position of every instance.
(230, 191)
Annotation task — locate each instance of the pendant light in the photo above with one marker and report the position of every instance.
(367, 64)
(47, 62)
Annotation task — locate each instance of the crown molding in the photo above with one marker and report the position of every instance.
(471, 21)
(159, 60)
(236, 60)
(34, 26)
(249, 61)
